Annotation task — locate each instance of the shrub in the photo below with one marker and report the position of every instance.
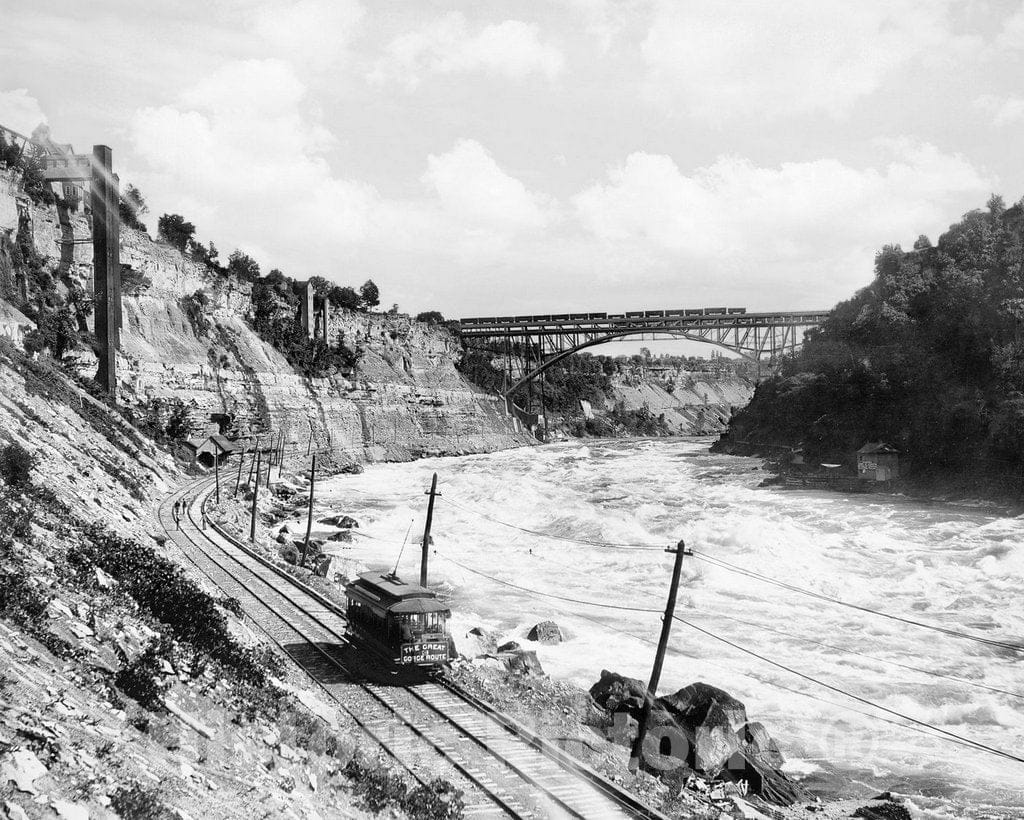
(161, 589)
(380, 789)
(138, 802)
(140, 679)
(16, 465)
(195, 309)
(431, 317)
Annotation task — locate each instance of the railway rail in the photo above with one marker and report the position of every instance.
(431, 728)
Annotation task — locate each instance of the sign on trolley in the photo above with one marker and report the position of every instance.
(433, 652)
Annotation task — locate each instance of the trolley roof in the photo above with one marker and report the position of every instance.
(395, 594)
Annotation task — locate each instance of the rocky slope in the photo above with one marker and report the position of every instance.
(404, 399)
(699, 405)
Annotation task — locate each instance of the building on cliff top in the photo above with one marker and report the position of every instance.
(878, 461)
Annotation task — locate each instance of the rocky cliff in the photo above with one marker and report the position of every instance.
(404, 399)
(697, 405)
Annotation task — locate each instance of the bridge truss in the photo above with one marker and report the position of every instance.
(541, 341)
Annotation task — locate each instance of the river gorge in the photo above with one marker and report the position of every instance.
(954, 566)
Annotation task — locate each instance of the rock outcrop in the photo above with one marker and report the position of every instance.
(699, 729)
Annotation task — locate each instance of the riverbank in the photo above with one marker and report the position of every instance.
(1000, 491)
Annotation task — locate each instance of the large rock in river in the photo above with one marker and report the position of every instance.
(546, 632)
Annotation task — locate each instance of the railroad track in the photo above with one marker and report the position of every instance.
(431, 729)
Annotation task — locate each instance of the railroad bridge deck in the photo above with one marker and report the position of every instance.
(542, 340)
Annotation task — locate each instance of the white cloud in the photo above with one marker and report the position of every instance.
(512, 49)
(1011, 36)
(723, 60)
(19, 111)
(242, 158)
(1004, 110)
(768, 229)
(313, 32)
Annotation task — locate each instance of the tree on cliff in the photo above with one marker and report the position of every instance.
(175, 231)
(242, 266)
(132, 207)
(370, 294)
(929, 357)
(344, 297)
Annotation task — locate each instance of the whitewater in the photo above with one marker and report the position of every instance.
(955, 566)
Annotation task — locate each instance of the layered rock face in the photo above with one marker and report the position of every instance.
(405, 398)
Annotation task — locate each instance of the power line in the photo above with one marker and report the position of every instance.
(844, 650)
(944, 733)
(752, 653)
(822, 597)
(566, 538)
(598, 604)
(751, 574)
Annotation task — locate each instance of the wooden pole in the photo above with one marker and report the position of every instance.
(253, 463)
(241, 461)
(659, 657)
(216, 468)
(309, 516)
(255, 495)
(433, 493)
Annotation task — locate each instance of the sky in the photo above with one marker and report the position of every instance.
(483, 158)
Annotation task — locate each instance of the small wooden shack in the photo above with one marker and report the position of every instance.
(878, 461)
(207, 448)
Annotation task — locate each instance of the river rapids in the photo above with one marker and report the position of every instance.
(955, 566)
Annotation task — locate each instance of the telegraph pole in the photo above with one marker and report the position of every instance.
(309, 517)
(255, 494)
(216, 468)
(659, 657)
(252, 464)
(433, 493)
(241, 461)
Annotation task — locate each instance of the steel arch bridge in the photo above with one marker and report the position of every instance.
(544, 340)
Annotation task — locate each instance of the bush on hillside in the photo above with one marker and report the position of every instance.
(16, 465)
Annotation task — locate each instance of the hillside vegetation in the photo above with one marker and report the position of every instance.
(929, 357)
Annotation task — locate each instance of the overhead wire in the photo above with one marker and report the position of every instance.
(937, 731)
(839, 602)
(751, 574)
(835, 648)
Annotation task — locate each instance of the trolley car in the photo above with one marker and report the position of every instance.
(402, 621)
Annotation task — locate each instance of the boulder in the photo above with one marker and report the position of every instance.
(477, 641)
(546, 632)
(617, 693)
(710, 718)
(757, 743)
(883, 811)
(521, 662)
(509, 646)
(345, 536)
(345, 522)
(352, 469)
(762, 780)
(691, 705)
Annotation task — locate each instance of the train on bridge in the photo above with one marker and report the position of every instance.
(602, 317)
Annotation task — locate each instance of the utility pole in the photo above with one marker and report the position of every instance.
(309, 517)
(433, 493)
(253, 463)
(659, 657)
(216, 468)
(241, 461)
(255, 495)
